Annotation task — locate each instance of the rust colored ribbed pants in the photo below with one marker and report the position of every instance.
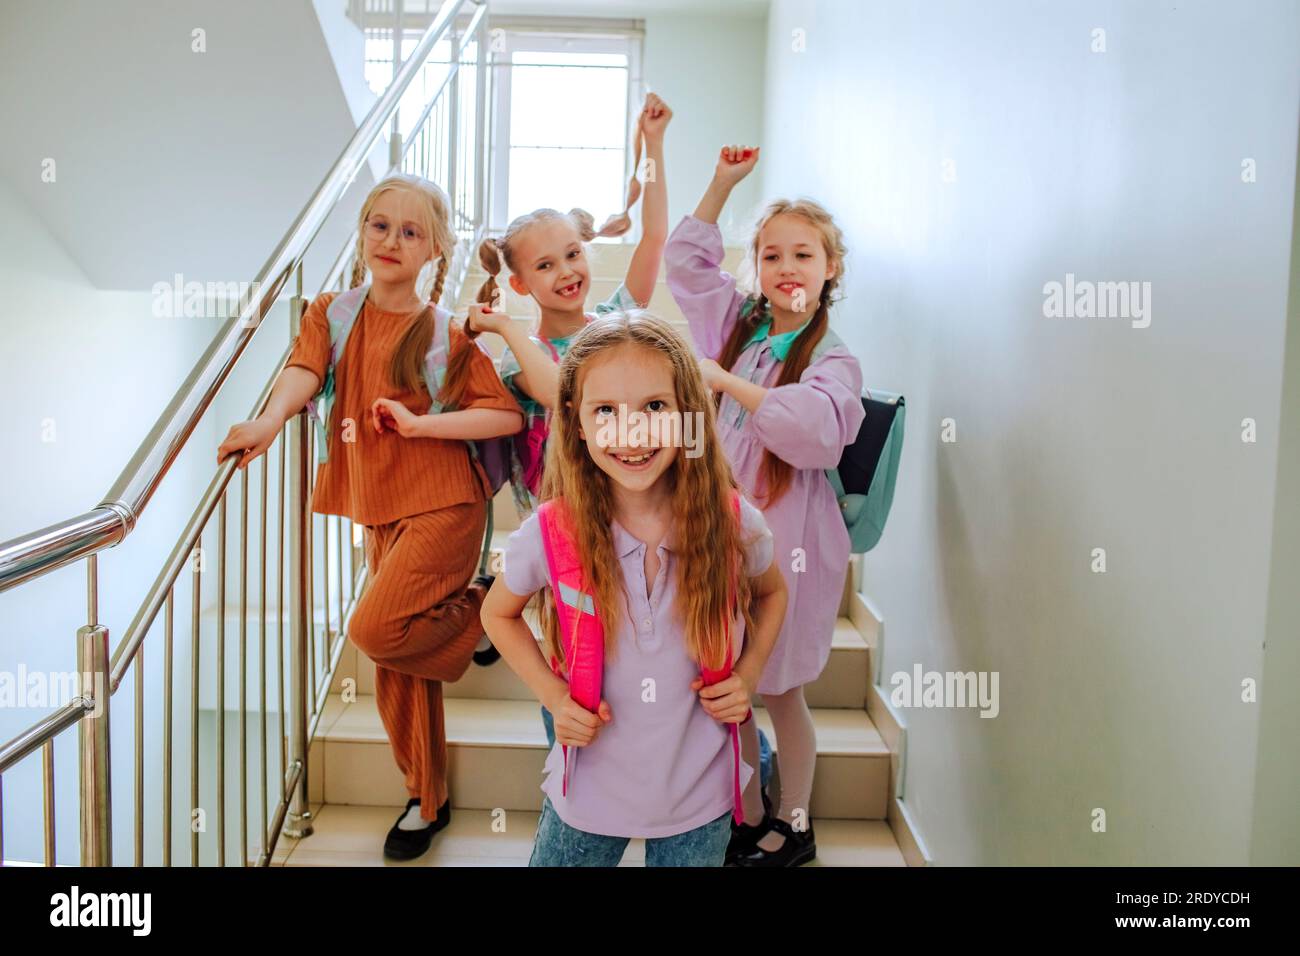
(419, 624)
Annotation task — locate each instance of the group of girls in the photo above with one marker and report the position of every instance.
(698, 581)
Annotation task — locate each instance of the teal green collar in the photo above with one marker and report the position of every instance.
(780, 343)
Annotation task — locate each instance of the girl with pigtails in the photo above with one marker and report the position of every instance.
(399, 390)
(546, 255)
(788, 393)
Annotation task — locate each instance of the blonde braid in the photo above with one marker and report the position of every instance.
(358, 265)
(436, 294)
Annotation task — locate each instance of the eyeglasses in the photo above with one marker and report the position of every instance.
(377, 231)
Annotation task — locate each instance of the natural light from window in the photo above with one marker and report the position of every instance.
(568, 132)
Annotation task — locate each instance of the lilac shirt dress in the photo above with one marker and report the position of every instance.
(806, 423)
(662, 766)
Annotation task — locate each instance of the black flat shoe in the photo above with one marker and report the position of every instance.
(798, 849)
(408, 844)
(489, 655)
(745, 836)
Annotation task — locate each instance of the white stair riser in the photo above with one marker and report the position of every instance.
(485, 777)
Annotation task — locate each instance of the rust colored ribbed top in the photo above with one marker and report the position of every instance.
(377, 478)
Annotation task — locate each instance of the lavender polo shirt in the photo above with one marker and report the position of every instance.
(662, 766)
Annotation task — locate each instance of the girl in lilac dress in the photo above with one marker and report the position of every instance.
(784, 416)
(671, 556)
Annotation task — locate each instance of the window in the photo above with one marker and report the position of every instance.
(562, 117)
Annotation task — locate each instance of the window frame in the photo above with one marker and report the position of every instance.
(571, 38)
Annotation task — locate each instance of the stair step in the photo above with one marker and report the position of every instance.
(354, 836)
(496, 749)
(842, 683)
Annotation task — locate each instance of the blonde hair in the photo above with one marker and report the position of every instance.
(709, 555)
(434, 214)
(774, 473)
(492, 252)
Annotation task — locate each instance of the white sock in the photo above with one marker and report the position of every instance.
(483, 643)
(413, 820)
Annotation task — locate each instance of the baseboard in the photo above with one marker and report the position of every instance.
(892, 726)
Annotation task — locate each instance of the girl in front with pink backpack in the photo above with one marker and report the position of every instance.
(648, 559)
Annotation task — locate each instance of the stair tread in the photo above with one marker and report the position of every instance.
(353, 836)
(517, 723)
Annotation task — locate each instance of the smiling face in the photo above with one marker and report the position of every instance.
(396, 241)
(792, 263)
(549, 263)
(625, 379)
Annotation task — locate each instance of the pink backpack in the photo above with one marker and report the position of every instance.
(583, 637)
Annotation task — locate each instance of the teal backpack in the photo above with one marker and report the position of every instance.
(868, 469)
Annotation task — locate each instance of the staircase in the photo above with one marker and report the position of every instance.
(497, 746)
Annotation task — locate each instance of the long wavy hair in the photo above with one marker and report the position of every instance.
(775, 474)
(705, 535)
(406, 369)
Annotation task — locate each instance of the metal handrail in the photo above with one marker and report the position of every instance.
(108, 523)
(24, 558)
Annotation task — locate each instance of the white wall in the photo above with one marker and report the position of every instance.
(710, 70)
(1119, 690)
(84, 374)
(1275, 837)
(170, 159)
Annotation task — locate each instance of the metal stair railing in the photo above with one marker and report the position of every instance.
(446, 143)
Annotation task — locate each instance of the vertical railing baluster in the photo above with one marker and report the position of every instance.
(221, 682)
(261, 646)
(243, 668)
(325, 603)
(47, 768)
(338, 527)
(95, 772)
(167, 731)
(195, 605)
(139, 755)
(279, 644)
(298, 819)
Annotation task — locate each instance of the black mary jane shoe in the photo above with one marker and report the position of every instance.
(798, 849)
(489, 655)
(408, 844)
(745, 836)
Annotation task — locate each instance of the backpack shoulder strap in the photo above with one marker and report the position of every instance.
(562, 562)
(342, 315)
(438, 356)
(829, 340)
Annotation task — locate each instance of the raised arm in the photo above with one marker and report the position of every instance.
(706, 294)
(643, 270)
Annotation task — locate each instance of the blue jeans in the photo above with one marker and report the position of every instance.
(764, 748)
(558, 844)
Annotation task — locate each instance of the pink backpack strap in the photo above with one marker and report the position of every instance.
(713, 676)
(582, 637)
